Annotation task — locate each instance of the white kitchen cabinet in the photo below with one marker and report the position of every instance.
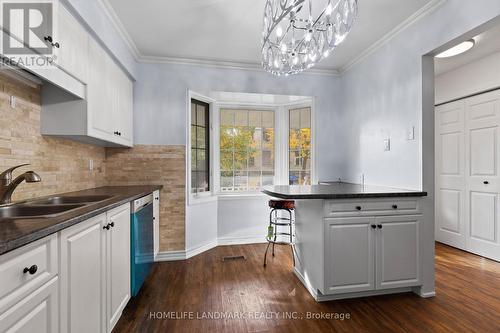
(105, 117)
(38, 312)
(100, 94)
(95, 272)
(29, 288)
(467, 174)
(397, 251)
(156, 222)
(73, 40)
(371, 253)
(82, 278)
(349, 255)
(117, 263)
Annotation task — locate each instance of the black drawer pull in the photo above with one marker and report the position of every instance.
(374, 226)
(379, 226)
(486, 182)
(106, 227)
(394, 206)
(358, 207)
(112, 224)
(32, 270)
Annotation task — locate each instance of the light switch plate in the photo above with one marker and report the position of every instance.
(411, 133)
(387, 145)
(12, 101)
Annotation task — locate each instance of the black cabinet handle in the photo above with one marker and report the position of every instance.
(157, 198)
(358, 207)
(48, 39)
(379, 226)
(112, 224)
(56, 45)
(486, 182)
(154, 218)
(394, 206)
(374, 226)
(120, 133)
(32, 270)
(106, 227)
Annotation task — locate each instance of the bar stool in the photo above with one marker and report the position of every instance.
(275, 221)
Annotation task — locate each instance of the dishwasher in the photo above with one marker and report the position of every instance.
(141, 238)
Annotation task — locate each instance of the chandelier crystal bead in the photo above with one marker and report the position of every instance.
(295, 37)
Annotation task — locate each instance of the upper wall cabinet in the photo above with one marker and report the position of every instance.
(71, 73)
(105, 116)
(73, 45)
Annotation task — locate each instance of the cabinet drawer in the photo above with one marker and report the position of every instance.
(15, 284)
(371, 207)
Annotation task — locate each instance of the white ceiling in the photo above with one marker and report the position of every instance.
(487, 43)
(230, 30)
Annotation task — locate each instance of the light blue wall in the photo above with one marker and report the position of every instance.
(161, 94)
(383, 95)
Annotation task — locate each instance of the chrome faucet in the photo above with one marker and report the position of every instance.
(7, 185)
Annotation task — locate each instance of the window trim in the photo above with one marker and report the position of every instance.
(216, 152)
(202, 197)
(299, 105)
(281, 125)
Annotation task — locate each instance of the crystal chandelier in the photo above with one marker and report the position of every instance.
(295, 37)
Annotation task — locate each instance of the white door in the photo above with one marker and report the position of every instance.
(82, 276)
(349, 255)
(73, 41)
(100, 96)
(118, 263)
(483, 183)
(36, 313)
(397, 252)
(450, 174)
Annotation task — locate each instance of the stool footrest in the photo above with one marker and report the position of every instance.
(279, 242)
(281, 224)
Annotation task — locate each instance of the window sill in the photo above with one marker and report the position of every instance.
(238, 196)
(201, 199)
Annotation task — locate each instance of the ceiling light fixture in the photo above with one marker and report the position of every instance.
(458, 49)
(294, 40)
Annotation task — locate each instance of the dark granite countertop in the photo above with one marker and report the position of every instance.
(338, 191)
(15, 233)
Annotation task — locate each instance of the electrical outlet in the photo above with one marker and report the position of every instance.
(387, 145)
(12, 101)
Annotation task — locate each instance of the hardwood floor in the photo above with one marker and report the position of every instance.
(467, 287)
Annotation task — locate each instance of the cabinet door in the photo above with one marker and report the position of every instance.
(82, 276)
(100, 96)
(118, 263)
(398, 252)
(73, 41)
(483, 182)
(349, 255)
(124, 112)
(38, 312)
(156, 221)
(450, 174)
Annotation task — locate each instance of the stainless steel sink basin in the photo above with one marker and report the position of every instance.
(71, 200)
(34, 211)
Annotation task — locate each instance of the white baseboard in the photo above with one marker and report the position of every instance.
(241, 240)
(183, 255)
(427, 294)
(200, 249)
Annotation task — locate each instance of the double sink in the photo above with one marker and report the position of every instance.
(48, 207)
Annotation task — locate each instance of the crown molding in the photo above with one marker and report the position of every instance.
(120, 28)
(425, 10)
(223, 64)
(110, 12)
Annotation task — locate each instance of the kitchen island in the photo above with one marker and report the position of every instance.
(356, 240)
